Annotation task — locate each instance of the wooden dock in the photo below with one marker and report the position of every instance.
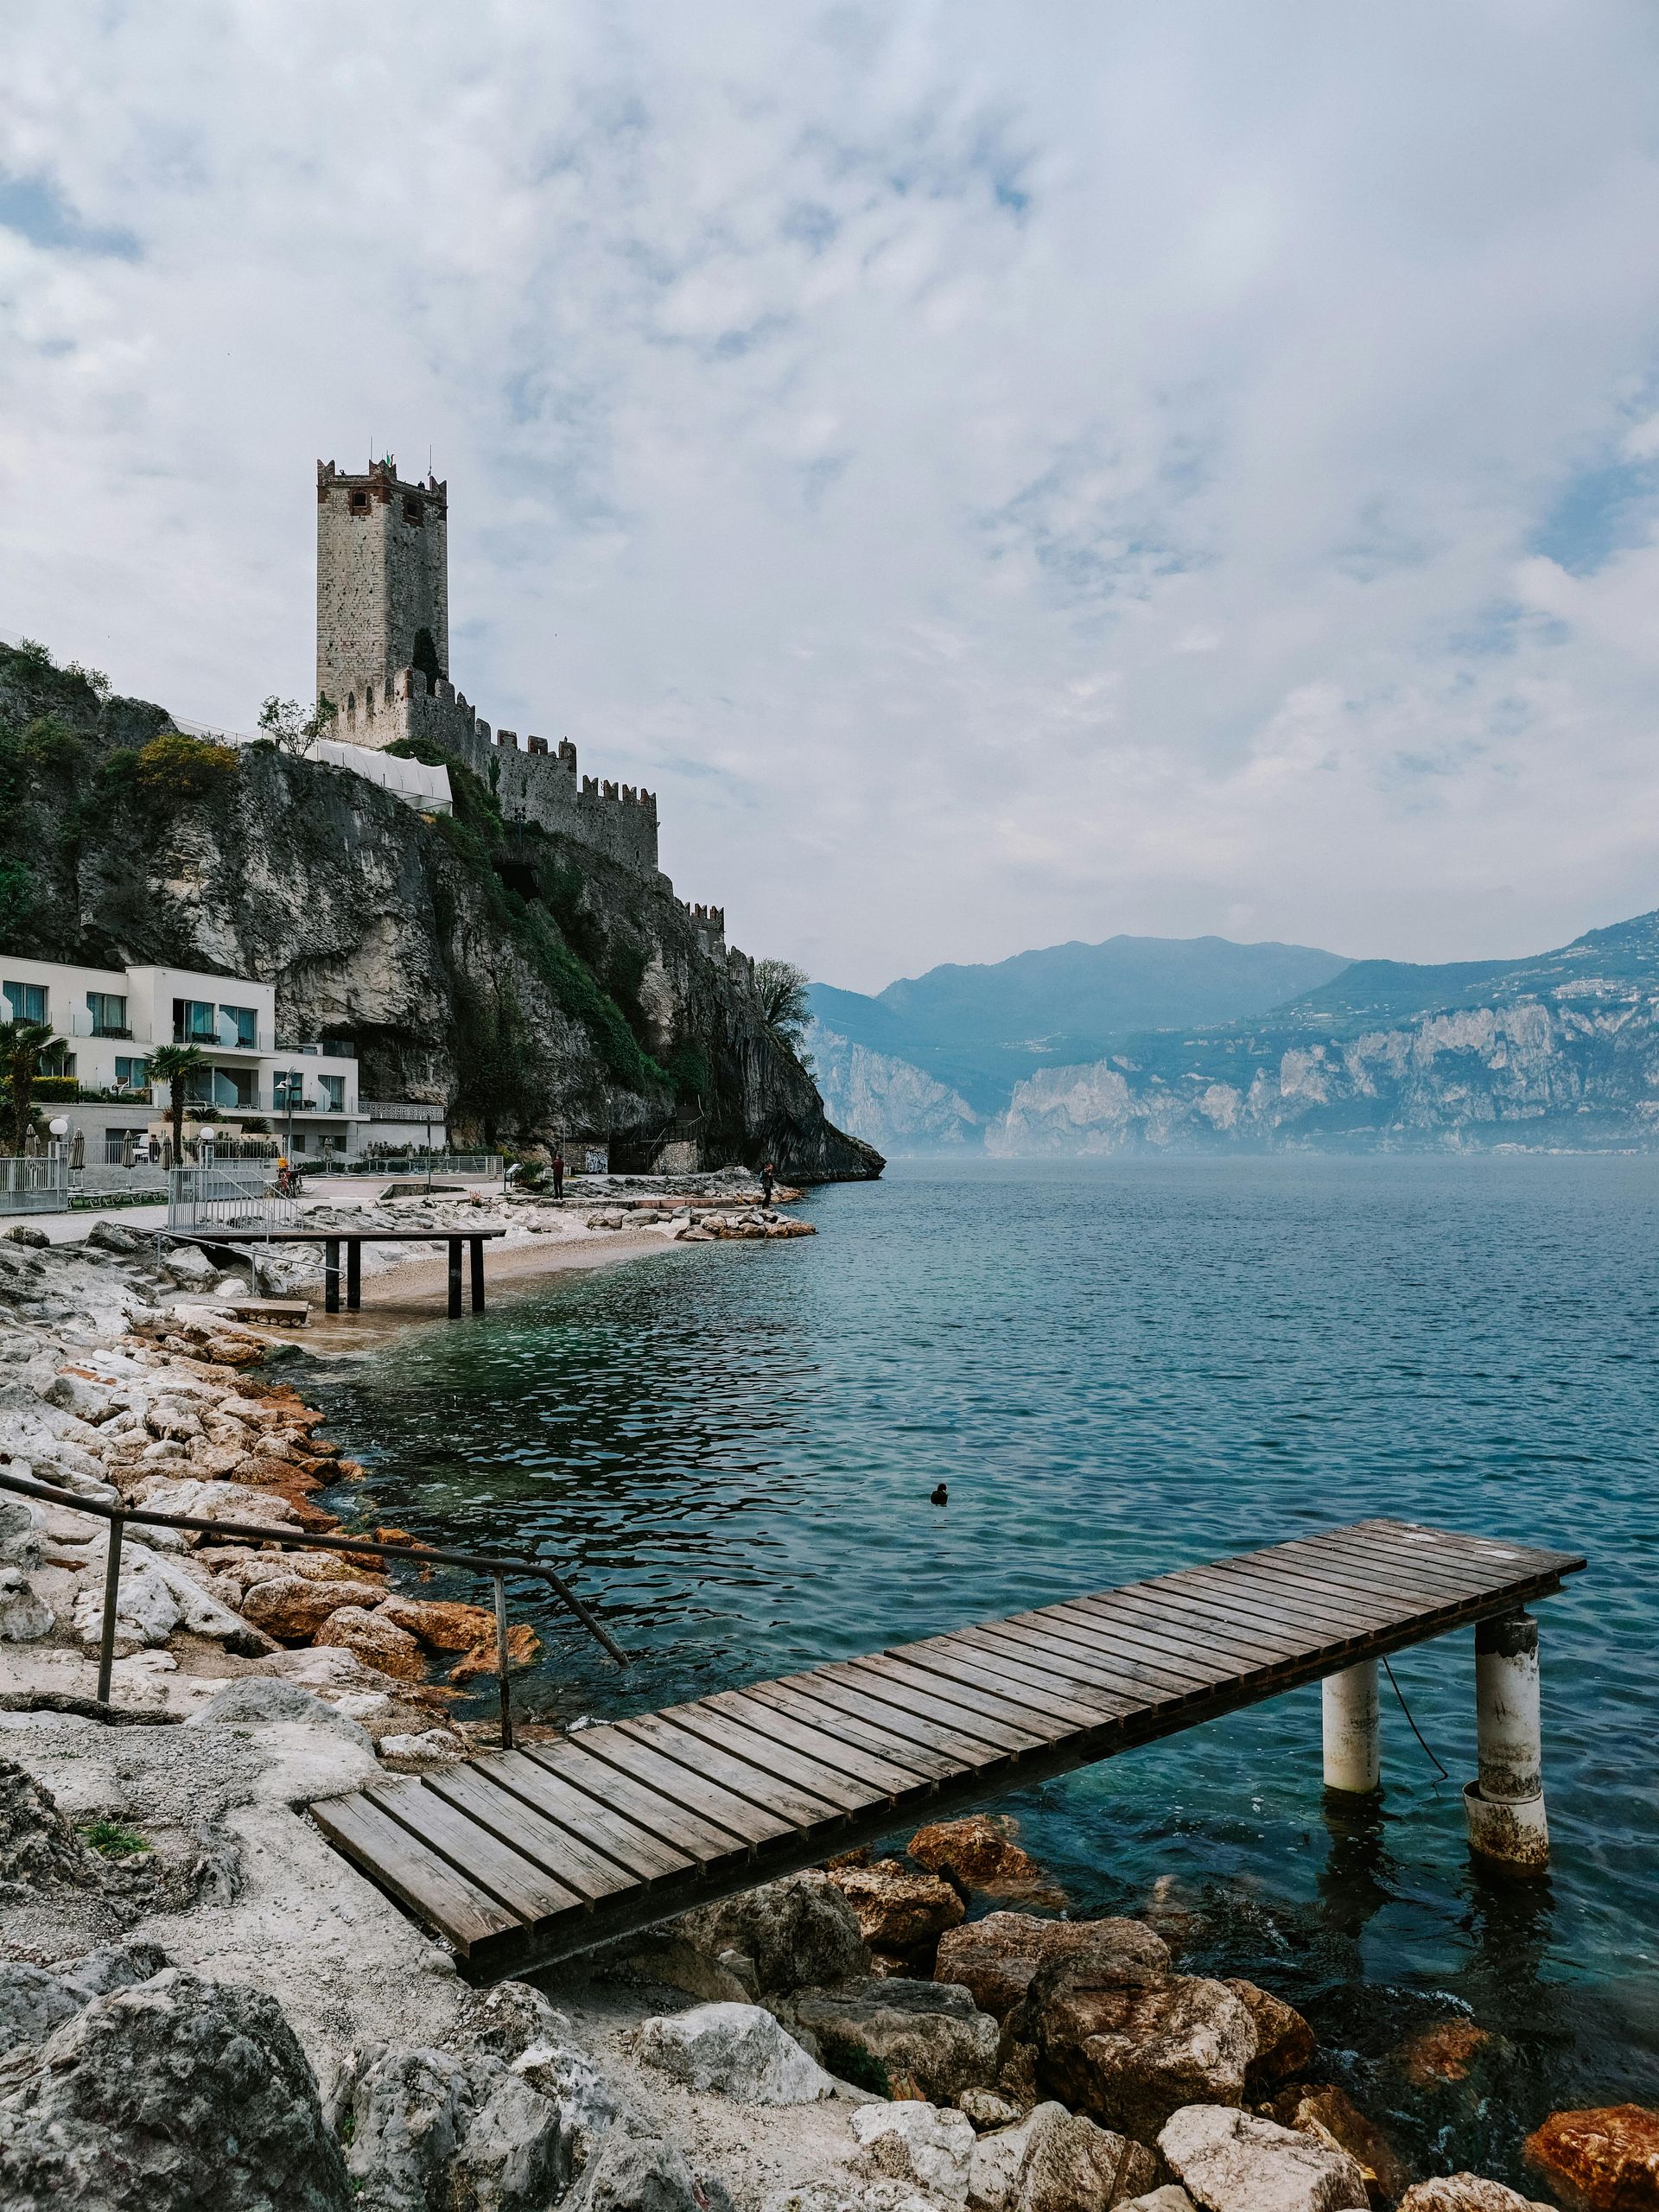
(517, 1859)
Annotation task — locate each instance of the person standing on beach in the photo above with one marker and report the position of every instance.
(768, 1177)
(558, 1171)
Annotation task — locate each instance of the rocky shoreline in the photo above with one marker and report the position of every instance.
(201, 2004)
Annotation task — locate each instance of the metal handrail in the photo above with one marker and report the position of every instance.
(483, 1562)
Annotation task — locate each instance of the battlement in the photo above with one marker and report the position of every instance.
(379, 482)
(709, 922)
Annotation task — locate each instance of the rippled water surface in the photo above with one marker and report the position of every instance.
(1120, 1369)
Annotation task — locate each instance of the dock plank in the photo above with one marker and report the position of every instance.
(521, 1858)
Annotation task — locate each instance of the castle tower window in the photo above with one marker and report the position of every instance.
(359, 503)
(414, 512)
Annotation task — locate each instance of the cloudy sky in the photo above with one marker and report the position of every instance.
(1000, 473)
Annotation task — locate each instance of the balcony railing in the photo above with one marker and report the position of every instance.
(82, 1024)
(215, 1040)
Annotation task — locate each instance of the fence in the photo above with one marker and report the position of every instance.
(200, 1199)
(415, 1163)
(35, 1183)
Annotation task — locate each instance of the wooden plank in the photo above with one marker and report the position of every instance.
(852, 1701)
(878, 1777)
(1173, 1627)
(1094, 1664)
(762, 1785)
(1374, 1569)
(772, 1752)
(1395, 1555)
(633, 1848)
(1017, 1673)
(924, 1762)
(745, 1821)
(708, 1842)
(1014, 1726)
(1303, 1615)
(420, 1879)
(492, 1864)
(1144, 1634)
(1351, 1609)
(565, 1856)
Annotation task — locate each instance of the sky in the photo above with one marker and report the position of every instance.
(1000, 474)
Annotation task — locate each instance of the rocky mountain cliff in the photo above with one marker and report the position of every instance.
(1558, 1051)
(524, 981)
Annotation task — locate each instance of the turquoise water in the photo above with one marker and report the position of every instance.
(1120, 1368)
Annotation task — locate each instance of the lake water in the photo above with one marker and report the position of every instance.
(1118, 1369)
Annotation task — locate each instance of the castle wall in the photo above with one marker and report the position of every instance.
(383, 574)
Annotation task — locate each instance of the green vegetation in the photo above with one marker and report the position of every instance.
(111, 1839)
(175, 766)
(784, 1007)
(22, 1044)
(18, 897)
(170, 1064)
(289, 727)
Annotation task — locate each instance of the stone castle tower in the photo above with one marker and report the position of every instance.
(382, 578)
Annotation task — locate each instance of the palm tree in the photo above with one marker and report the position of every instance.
(783, 1005)
(170, 1064)
(22, 1044)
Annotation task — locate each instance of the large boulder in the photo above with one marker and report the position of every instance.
(375, 1643)
(1284, 2041)
(38, 1847)
(35, 2001)
(1230, 2161)
(915, 2142)
(980, 1852)
(738, 2050)
(25, 1616)
(175, 2096)
(437, 2127)
(1058, 2161)
(1604, 2159)
(1131, 2053)
(796, 1933)
(1443, 2052)
(1331, 2115)
(996, 1958)
(258, 1702)
(443, 1626)
(897, 2037)
(638, 2173)
(1466, 2193)
(898, 1909)
(293, 1606)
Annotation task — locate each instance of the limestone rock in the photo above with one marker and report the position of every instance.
(1171, 2197)
(434, 2128)
(1444, 2052)
(918, 2143)
(291, 1606)
(916, 2037)
(634, 2173)
(217, 1501)
(1128, 2055)
(20, 1528)
(156, 1595)
(1466, 2193)
(32, 2004)
(787, 1935)
(589, 2110)
(25, 1616)
(510, 2017)
(896, 1910)
(429, 1747)
(257, 1701)
(111, 1966)
(1284, 2041)
(1604, 2159)
(38, 1847)
(994, 1958)
(1056, 2161)
(989, 2109)
(739, 2050)
(979, 1852)
(172, 2096)
(443, 1627)
(87, 1401)
(1230, 2161)
(1329, 2113)
(523, 1648)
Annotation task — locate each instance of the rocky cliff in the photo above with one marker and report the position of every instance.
(1558, 1051)
(889, 1102)
(529, 984)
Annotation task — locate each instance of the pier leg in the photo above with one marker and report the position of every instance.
(111, 1596)
(353, 1274)
(454, 1278)
(1351, 1758)
(1505, 1805)
(477, 1245)
(331, 1276)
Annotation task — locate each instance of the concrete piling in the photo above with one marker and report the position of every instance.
(1352, 1760)
(1505, 1806)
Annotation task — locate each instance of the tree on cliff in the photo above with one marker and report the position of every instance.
(290, 729)
(784, 1007)
(171, 1064)
(22, 1044)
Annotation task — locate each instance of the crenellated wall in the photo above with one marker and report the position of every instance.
(534, 782)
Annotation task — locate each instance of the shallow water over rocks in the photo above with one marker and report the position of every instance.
(1120, 1368)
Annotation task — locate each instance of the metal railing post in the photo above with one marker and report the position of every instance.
(501, 1660)
(112, 1585)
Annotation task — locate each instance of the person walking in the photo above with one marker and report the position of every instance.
(559, 1172)
(768, 1177)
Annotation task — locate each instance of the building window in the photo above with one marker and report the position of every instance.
(296, 1142)
(109, 1012)
(25, 1001)
(130, 1074)
(287, 1091)
(414, 513)
(359, 503)
(194, 1023)
(238, 1025)
(57, 1059)
(333, 1088)
(340, 1048)
(234, 1087)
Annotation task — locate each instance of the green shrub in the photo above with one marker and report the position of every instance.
(174, 766)
(18, 898)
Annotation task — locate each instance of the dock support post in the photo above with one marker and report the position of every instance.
(1352, 1764)
(454, 1278)
(111, 1599)
(1505, 1806)
(353, 1274)
(331, 1276)
(501, 1650)
(476, 1247)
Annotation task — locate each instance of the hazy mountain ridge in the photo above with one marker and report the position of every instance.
(1562, 1049)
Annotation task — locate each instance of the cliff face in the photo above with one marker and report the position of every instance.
(889, 1102)
(528, 983)
(1558, 1051)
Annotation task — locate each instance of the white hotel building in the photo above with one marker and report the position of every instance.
(109, 1021)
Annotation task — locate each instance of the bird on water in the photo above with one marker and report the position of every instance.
(941, 1496)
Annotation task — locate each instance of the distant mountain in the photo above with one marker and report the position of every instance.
(927, 1063)
(1559, 1050)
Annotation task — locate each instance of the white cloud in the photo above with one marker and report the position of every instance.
(1000, 476)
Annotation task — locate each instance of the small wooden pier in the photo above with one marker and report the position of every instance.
(519, 1857)
(354, 1239)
